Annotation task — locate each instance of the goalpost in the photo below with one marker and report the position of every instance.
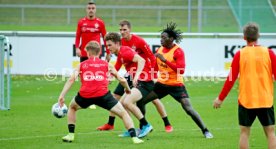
(5, 81)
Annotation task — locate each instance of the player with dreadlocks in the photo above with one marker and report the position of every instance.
(171, 66)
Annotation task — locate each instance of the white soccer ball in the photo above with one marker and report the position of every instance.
(58, 111)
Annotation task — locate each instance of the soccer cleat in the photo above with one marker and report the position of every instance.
(168, 128)
(208, 135)
(145, 130)
(124, 134)
(68, 138)
(136, 140)
(106, 127)
(93, 107)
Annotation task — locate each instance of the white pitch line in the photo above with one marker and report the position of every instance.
(47, 136)
(24, 138)
(99, 132)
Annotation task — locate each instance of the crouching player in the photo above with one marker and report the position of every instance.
(94, 90)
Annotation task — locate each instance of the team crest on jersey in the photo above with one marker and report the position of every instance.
(85, 66)
(97, 25)
(83, 29)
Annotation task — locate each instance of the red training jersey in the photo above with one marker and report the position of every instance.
(125, 57)
(94, 77)
(142, 48)
(89, 30)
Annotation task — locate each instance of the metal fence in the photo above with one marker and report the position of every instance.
(193, 16)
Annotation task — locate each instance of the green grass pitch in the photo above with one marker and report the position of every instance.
(30, 124)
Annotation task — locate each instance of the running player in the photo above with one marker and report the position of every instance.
(171, 66)
(142, 79)
(142, 48)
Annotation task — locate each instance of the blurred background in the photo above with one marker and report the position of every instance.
(145, 15)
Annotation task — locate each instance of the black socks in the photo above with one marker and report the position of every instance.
(111, 120)
(143, 122)
(166, 121)
(132, 132)
(71, 128)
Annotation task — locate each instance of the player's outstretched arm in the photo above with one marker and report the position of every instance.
(68, 85)
(231, 78)
(140, 66)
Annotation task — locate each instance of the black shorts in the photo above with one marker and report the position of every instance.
(145, 87)
(177, 92)
(107, 101)
(247, 116)
(120, 90)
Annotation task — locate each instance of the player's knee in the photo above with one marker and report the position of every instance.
(125, 103)
(73, 106)
(121, 113)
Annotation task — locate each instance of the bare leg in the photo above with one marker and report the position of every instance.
(130, 100)
(162, 112)
(111, 119)
(72, 112)
(119, 110)
(142, 103)
(160, 108)
(118, 98)
(71, 118)
(244, 137)
(186, 105)
(270, 135)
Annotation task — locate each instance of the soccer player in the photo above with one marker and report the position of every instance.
(142, 48)
(90, 28)
(171, 65)
(142, 82)
(256, 65)
(94, 74)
